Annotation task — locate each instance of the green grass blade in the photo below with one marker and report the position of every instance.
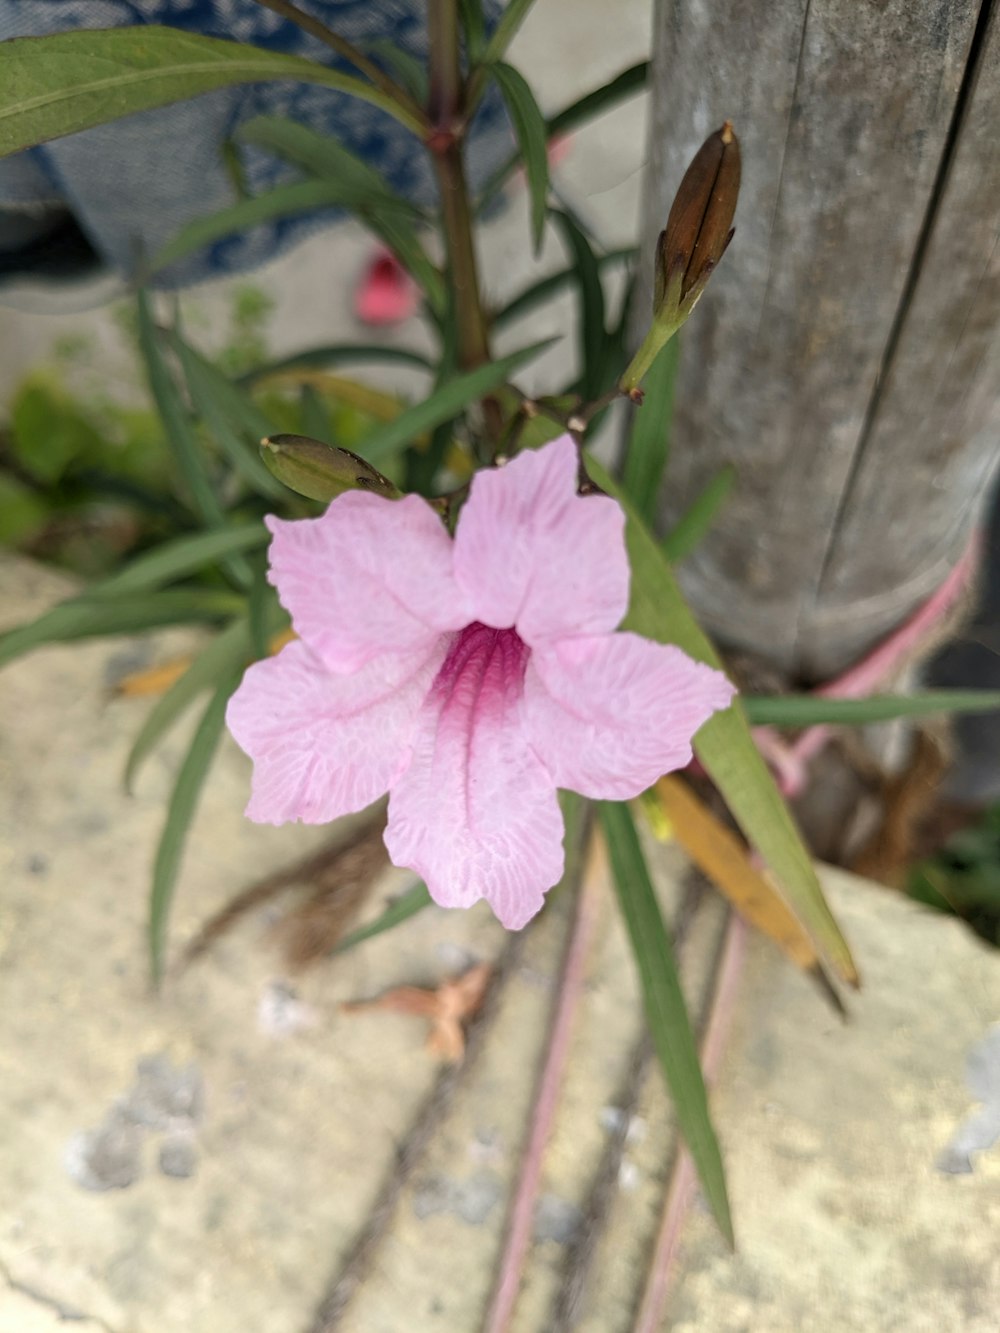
(284, 201)
(649, 440)
(666, 1011)
(808, 710)
(529, 127)
(445, 403)
(179, 557)
(180, 812)
(227, 652)
(70, 81)
(725, 745)
(94, 617)
(408, 904)
(691, 527)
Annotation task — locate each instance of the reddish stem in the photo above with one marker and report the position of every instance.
(519, 1224)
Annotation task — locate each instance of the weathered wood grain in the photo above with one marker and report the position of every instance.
(843, 109)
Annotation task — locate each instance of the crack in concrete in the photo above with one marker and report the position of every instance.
(66, 1313)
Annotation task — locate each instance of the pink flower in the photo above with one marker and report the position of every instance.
(469, 678)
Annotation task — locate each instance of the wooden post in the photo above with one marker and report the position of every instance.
(846, 356)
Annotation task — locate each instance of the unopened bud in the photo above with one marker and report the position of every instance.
(321, 471)
(700, 225)
(698, 230)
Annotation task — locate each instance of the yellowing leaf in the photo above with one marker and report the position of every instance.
(721, 856)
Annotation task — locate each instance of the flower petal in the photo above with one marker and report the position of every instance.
(370, 576)
(530, 552)
(609, 714)
(325, 744)
(475, 814)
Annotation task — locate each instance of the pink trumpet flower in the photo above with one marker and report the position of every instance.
(468, 677)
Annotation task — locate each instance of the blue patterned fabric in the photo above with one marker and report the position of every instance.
(130, 185)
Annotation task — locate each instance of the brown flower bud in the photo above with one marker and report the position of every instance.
(700, 225)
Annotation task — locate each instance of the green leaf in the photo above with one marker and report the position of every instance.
(187, 451)
(92, 617)
(180, 812)
(649, 440)
(529, 126)
(337, 354)
(363, 189)
(629, 83)
(408, 904)
(179, 557)
(591, 325)
(283, 201)
(446, 402)
(514, 14)
(223, 656)
(808, 710)
(539, 292)
(474, 27)
(725, 745)
(410, 72)
(233, 420)
(666, 1011)
(692, 526)
(23, 512)
(69, 81)
(626, 84)
(322, 156)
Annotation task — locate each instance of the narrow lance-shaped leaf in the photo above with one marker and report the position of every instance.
(223, 656)
(591, 322)
(187, 449)
(666, 1011)
(694, 523)
(408, 904)
(94, 617)
(537, 293)
(719, 854)
(180, 811)
(626, 84)
(345, 354)
(447, 402)
(179, 557)
(70, 81)
(529, 126)
(230, 417)
(808, 710)
(649, 439)
(725, 745)
(283, 201)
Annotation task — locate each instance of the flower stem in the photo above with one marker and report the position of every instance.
(444, 141)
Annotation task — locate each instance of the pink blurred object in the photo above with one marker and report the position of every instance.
(386, 293)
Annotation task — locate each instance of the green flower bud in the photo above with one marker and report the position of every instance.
(321, 471)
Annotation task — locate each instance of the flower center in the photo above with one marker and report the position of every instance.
(484, 669)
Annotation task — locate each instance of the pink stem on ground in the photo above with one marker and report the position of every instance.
(790, 762)
(683, 1184)
(571, 982)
